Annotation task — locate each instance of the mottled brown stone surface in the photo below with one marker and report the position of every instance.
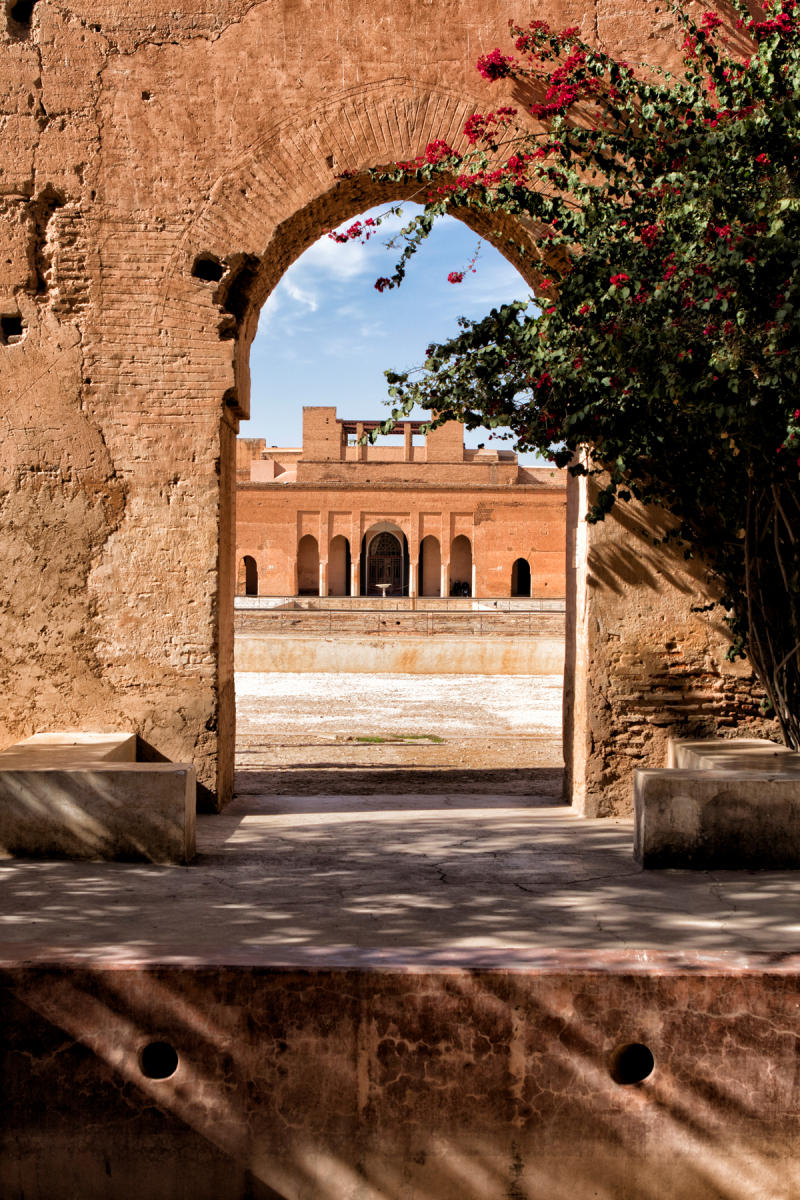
(138, 140)
(393, 1084)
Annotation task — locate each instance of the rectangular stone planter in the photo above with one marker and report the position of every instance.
(83, 795)
(732, 805)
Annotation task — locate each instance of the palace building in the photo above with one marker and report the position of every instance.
(424, 516)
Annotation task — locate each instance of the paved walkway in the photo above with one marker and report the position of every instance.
(458, 849)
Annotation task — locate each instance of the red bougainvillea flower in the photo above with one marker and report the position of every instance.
(620, 278)
(709, 22)
(494, 65)
(455, 277)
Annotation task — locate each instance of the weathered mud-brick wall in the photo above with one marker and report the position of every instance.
(646, 655)
(159, 170)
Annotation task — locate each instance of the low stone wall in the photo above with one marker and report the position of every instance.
(408, 655)
(228, 1081)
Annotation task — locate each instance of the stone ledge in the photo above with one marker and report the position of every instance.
(736, 754)
(722, 805)
(411, 655)
(112, 811)
(66, 748)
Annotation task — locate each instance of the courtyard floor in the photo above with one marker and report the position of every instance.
(395, 818)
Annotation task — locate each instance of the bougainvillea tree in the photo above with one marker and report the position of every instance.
(665, 359)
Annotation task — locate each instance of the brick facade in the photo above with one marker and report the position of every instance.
(458, 521)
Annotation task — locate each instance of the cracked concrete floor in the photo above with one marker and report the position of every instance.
(456, 849)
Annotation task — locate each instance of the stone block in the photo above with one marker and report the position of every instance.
(114, 810)
(69, 749)
(708, 819)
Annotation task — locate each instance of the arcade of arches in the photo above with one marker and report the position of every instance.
(149, 208)
(436, 519)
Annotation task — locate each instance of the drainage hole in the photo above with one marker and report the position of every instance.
(158, 1060)
(632, 1063)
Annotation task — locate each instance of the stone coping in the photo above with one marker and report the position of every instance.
(409, 960)
(67, 748)
(410, 604)
(736, 754)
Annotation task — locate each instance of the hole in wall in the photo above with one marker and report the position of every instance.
(158, 1060)
(632, 1063)
(235, 293)
(227, 328)
(19, 14)
(11, 328)
(147, 95)
(206, 266)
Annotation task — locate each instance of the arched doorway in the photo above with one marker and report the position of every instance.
(430, 566)
(385, 565)
(339, 567)
(230, 284)
(521, 578)
(250, 575)
(461, 566)
(308, 566)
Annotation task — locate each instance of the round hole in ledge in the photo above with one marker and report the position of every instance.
(632, 1063)
(158, 1060)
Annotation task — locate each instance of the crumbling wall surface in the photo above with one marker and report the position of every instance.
(160, 167)
(647, 656)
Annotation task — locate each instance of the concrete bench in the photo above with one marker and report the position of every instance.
(84, 795)
(720, 804)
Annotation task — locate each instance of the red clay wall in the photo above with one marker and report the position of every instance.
(434, 1082)
(502, 525)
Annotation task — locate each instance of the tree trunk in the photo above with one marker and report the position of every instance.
(770, 622)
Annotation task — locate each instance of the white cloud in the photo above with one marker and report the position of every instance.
(333, 259)
(301, 295)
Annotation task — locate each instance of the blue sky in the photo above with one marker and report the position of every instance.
(326, 336)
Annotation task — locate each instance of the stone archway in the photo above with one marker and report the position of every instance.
(430, 566)
(175, 201)
(384, 565)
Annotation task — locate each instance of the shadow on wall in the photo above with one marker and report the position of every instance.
(475, 1084)
(635, 562)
